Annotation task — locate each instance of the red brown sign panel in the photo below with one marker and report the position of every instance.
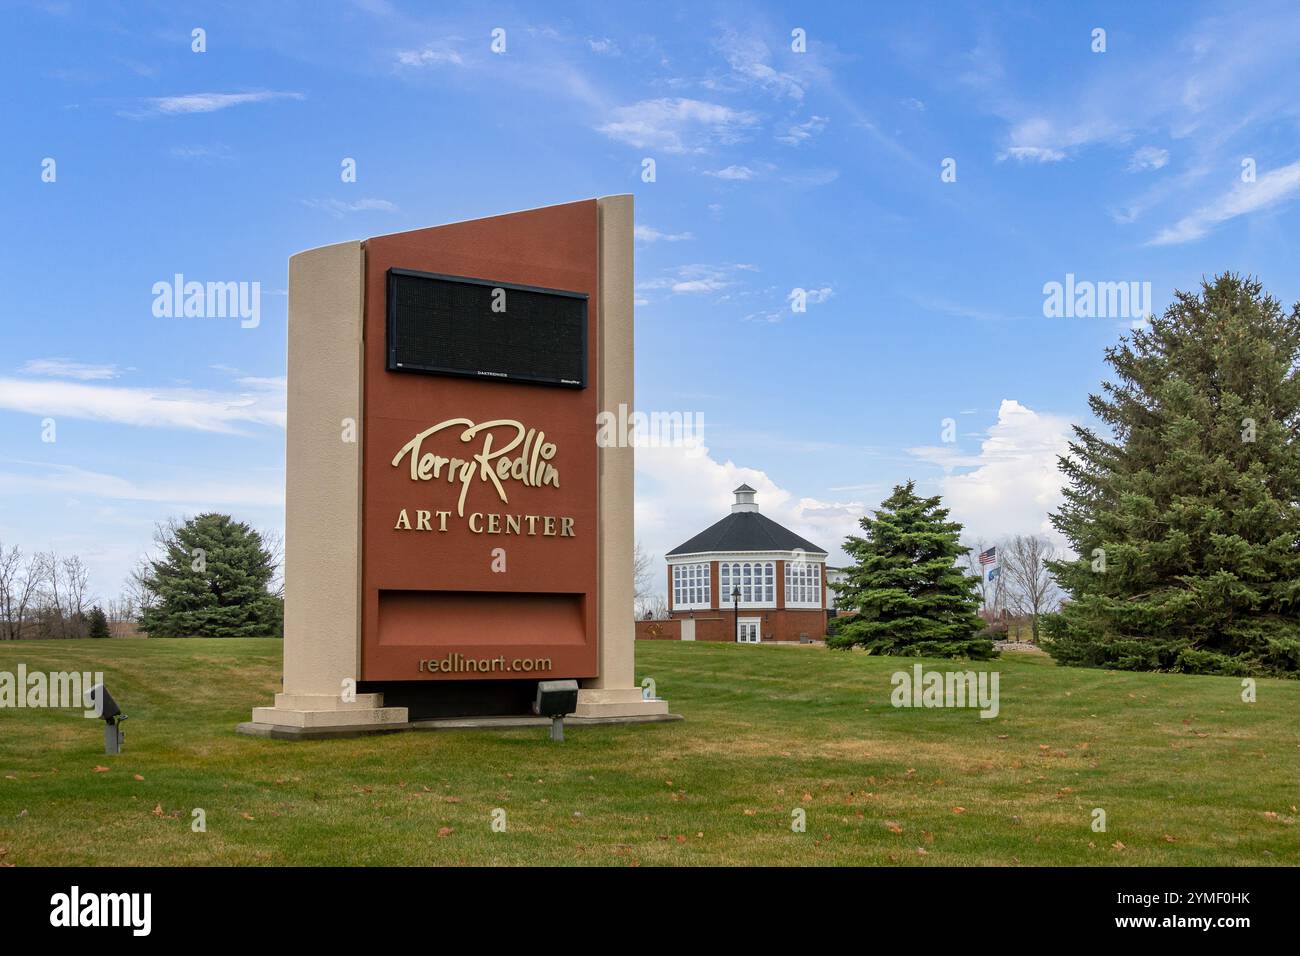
(480, 495)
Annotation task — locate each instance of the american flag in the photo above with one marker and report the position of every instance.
(990, 556)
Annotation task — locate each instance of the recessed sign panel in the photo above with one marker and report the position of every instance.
(479, 518)
(449, 325)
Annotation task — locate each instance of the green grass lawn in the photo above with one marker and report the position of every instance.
(1186, 772)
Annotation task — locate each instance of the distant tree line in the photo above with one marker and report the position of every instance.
(43, 595)
(212, 576)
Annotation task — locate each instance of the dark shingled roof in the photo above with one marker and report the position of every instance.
(746, 531)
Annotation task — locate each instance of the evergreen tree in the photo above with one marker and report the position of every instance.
(911, 598)
(98, 622)
(211, 581)
(1186, 519)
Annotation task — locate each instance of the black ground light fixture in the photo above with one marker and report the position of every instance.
(556, 699)
(101, 701)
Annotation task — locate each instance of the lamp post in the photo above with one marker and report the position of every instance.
(735, 597)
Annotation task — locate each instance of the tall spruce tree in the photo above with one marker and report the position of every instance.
(1186, 519)
(911, 597)
(211, 581)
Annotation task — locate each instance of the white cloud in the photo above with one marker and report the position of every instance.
(197, 492)
(430, 56)
(194, 409)
(749, 57)
(1273, 187)
(1031, 154)
(802, 132)
(338, 208)
(212, 102)
(603, 45)
(697, 278)
(678, 125)
(733, 172)
(1013, 481)
(63, 368)
(651, 234)
(681, 491)
(1148, 157)
(812, 177)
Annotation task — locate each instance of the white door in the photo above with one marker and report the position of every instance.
(688, 629)
(748, 628)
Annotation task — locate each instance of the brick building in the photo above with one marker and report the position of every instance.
(744, 579)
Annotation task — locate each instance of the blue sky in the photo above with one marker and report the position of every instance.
(775, 170)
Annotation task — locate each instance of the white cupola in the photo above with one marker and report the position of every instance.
(744, 500)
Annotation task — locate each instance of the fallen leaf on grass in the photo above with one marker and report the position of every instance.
(247, 816)
(99, 769)
(158, 810)
(958, 809)
(138, 777)
(893, 827)
(446, 831)
(750, 813)
(1119, 846)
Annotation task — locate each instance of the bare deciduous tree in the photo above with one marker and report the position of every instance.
(138, 592)
(273, 542)
(642, 578)
(76, 589)
(1032, 590)
(19, 584)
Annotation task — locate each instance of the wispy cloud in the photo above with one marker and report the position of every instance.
(338, 208)
(209, 102)
(802, 132)
(63, 368)
(1148, 158)
(751, 63)
(698, 278)
(734, 172)
(1032, 154)
(678, 125)
(429, 56)
(206, 491)
(191, 409)
(651, 234)
(1268, 190)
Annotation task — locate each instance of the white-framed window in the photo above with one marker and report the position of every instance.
(756, 580)
(691, 585)
(803, 584)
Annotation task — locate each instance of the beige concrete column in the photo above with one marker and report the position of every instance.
(615, 692)
(322, 541)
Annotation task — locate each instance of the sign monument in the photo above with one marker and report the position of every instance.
(454, 533)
